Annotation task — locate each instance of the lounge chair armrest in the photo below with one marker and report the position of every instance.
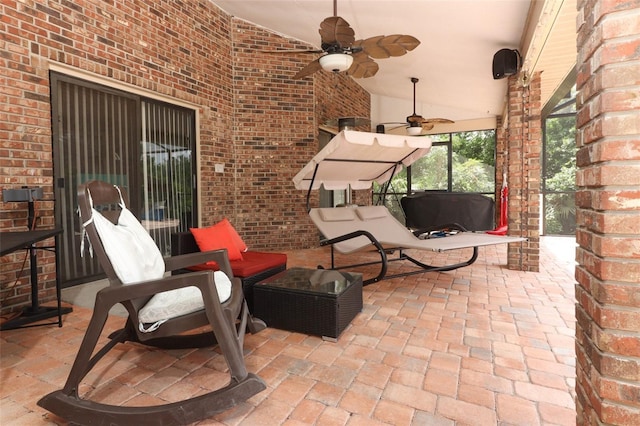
(183, 261)
(144, 289)
(351, 235)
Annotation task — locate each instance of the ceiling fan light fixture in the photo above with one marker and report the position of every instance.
(414, 130)
(336, 62)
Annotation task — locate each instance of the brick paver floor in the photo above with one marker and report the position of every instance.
(481, 345)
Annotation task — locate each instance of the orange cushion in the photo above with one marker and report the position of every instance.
(253, 262)
(233, 234)
(214, 238)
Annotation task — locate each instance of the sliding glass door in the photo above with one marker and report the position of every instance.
(143, 145)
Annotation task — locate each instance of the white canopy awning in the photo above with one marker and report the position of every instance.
(360, 158)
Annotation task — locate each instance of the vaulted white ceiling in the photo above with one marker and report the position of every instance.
(454, 60)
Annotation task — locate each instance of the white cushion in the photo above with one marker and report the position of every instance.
(135, 257)
(133, 253)
(372, 212)
(337, 214)
(174, 303)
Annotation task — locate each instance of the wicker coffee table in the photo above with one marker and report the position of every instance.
(311, 301)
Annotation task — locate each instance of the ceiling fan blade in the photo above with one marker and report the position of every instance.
(360, 57)
(403, 126)
(334, 29)
(381, 47)
(363, 66)
(436, 121)
(309, 69)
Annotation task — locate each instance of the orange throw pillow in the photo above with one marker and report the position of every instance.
(215, 238)
(233, 234)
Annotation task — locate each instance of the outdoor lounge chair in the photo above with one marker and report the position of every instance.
(355, 160)
(183, 311)
(351, 229)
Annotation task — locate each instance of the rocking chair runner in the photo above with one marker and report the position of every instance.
(208, 299)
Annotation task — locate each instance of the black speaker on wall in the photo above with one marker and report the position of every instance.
(506, 62)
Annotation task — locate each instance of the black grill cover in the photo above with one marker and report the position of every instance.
(430, 209)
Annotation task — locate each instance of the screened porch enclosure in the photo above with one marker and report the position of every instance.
(146, 147)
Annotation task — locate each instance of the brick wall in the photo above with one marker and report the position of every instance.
(276, 134)
(253, 119)
(332, 104)
(519, 145)
(608, 213)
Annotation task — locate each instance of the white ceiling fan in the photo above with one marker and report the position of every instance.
(340, 51)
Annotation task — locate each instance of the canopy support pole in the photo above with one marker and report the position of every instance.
(313, 178)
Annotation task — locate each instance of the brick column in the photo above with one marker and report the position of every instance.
(523, 146)
(608, 213)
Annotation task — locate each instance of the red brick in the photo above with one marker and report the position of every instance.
(610, 316)
(609, 269)
(609, 174)
(611, 222)
(553, 414)
(620, 247)
(612, 365)
(464, 412)
(477, 395)
(441, 382)
(610, 7)
(409, 396)
(626, 49)
(614, 149)
(618, 100)
(616, 390)
(516, 410)
(307, 411)
(621, 415)
(620, 294)
(619, 77)
(189, 52)
(537, 393)
(393, 413)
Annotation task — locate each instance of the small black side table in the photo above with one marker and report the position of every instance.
(321, 302)
(26, 240)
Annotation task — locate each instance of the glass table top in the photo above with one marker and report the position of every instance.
(322, 281)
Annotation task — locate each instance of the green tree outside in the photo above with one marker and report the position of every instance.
(473, 170)
(473, 162)
(559, 176)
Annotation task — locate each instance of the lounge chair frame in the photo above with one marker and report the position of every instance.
(359, 228)
(385, 259)
(354, 160)
(228, 322)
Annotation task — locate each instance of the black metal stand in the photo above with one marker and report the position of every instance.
(13, 241)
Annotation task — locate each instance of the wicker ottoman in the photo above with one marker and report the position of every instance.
(311, 301)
